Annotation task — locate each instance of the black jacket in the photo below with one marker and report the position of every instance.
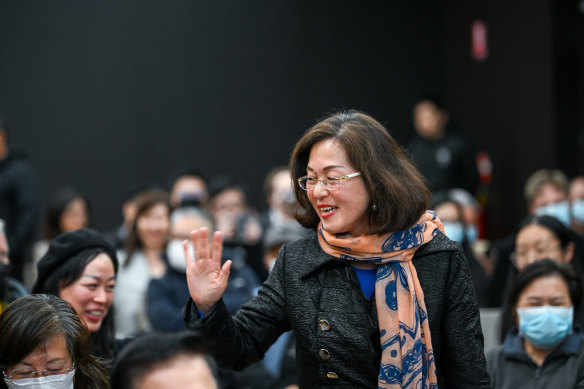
(319, 297)
(17, 204)
(448, 162)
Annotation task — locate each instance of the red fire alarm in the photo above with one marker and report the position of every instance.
(479, 48)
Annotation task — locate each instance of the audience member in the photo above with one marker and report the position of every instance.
(451, 213)
(576, 195)
(538, 238)
(544, 349)
(10, 288)
(43, 344)
(119, 235)
(545, 187)
(545, 194)
(237, 220)
(167, 294)
(282, 204)
(142, 259)
(67, 210)
(166, 361)
(18, 205)
(188, 186)
(280, 359)
(446, 158)
(80, 267)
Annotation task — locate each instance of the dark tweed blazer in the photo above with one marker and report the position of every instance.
(319, 297)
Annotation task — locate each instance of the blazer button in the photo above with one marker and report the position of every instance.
(332, 375)
(324, 354)
(324, 325)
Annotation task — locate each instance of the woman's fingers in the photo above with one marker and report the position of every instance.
(203, 248)
(203, 238)
(217, 246)
(188, 259)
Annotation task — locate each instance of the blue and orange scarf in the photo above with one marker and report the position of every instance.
(407, 359)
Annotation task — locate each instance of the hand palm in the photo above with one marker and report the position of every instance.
(206, 277)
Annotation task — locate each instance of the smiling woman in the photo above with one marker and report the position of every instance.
(80, 267)
(377, 295)
(142, 260)
(44, 344)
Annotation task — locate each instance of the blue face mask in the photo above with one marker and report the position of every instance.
(545, 326)
(454, 230)
(472, 233)
(559, 210)
(578, 211)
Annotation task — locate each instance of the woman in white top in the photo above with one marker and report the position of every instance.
(142, 259)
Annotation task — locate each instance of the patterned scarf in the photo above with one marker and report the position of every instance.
(407, 359)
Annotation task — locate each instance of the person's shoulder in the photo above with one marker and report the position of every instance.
(439, 244)
(302, 244)
(16, 160)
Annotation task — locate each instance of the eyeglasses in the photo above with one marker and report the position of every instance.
(27, 372)
(522, 258)
(309, 183)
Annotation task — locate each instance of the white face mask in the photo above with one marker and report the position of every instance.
(176, 254)
(60, 381)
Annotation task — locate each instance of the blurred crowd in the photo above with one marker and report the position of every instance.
(127, 284)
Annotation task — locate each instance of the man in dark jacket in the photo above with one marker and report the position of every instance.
(17, 201)
(445, 158)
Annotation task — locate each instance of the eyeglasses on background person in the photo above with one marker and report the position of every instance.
(28, 372)
(309, 183)
(523, 257)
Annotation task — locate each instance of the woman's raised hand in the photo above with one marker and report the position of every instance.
(206, 278)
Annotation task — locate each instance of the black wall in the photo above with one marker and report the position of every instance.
(106, 94)
(520, 105)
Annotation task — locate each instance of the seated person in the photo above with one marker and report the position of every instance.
(451, 213)
(80, 267)
(159, 361)
(544, 349)
(543, 190)
(167, 294)
(10, 288)
(541, 237)
(44, 344)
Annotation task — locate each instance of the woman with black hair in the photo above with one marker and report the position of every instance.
(43, 344)
(537, 238)
(543, 349)
(81, 267)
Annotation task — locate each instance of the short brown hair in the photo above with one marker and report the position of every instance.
(395, 186)
(542, 177)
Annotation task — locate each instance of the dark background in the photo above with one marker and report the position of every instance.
(104, 95)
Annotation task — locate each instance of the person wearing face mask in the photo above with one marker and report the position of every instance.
(544, 349)
(451, 213)
(542, 190)
(10, 289)
(167, 294)
(44, 345)
(577, 204)
(538, 238)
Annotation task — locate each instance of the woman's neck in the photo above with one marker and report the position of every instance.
(537, 355)
(155, 261)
